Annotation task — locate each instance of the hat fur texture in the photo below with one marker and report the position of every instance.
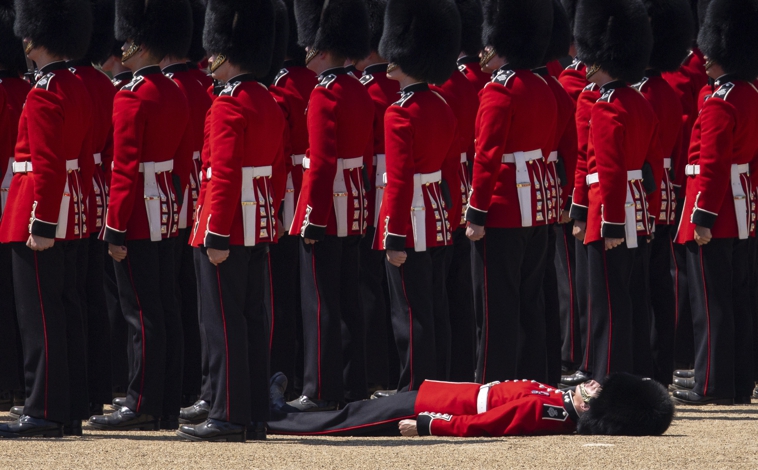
(281, 33)
(729, 35)
(196, 51)
(63, 27)
(164, 27)
(673, 29)
(519, 30)
(11, 48)
(340, 27)
(472, 20)
(560, 39)
(101, 44)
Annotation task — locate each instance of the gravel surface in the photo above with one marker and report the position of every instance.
(706, 437)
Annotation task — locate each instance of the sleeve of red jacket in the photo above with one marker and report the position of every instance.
(608, 144)
(716, 144)
(492, 126)
(655, 159)
(44, 121)
(227, 125)
(398, 193)
(521, 417)
(580, 197)
(87, 152)
(106, 157)
(279, 169)
(450, 173)
(128, 130)
(567, 151)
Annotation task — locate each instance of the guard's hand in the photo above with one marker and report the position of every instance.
(475, 232)
(702, 235)
(408, 428)
(37, 243)
(396, 258)
(611, 243)
(565, 218)
(217, 257)
(118, 253)
(309, 241)
(580, 230)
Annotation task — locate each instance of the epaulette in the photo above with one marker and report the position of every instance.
(439, 96)
(503, 76)
(590, 87)
(229, 89)
(462, 68)
(606, 96)
(136, 81)
(575, 64)
(404, 97)
(279, 75)
(638, 86)
(327, 80)
(724, 90)
(72, 69)
(366, 78)
(44, 81)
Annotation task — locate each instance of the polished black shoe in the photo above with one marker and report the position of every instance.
(195, 414)
(95, 409)
(213, 430)
(256, 431)
(169, 423)
(682, 384)
(743, 401)
(684, 373)
(16, 412)
(119, 402)
(383, 394)
(73, 429)
(688, 397)
(125, 419)
(575, 379)
(26, 426)
(308, 404)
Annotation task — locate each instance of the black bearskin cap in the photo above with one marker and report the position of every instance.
(376, 9)
(63, 27)
(295, 51)
(616, 35)
(337, 26)
(103, 12)
(519, 30)
(162, 26)
(729, 35)
(570, 7)
(11, 49)
(673, 27)
(702, 9)
(242, 30)
(423, 37)
(560, 39)
(196, 51)
(281, 33)
(628, 406)
(472, 19)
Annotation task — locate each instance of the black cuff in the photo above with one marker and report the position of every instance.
(703, 218)
(567, 207)
(578, 213)
(314, 232)
(424, 425)
(217, 242)
(394, 242)
(476, 216)
(648, 179)
(114, 237)
(613, 231)
(43, 229)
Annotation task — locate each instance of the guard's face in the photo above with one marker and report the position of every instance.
(589, 389)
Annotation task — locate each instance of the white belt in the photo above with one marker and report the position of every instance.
(740, 199)
(60, 230)
(297, 159)
(632, 175)
(157, 167)
(258, 171)
(250, 201)
(692, 170)
(418, 207)
(98, 159)
(667, 163)
(21, 167)
(339, 190)
(523, 181)
(483, 396)
(6, 184)
(553, 157)
(153, 196)
(630, 222)
(196, 155)
(464, 158)
(380, 168)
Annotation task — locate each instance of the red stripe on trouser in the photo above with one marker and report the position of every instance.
(318, 318)
(610, 314)
(44, 325)
(708, 321)
(486, 313)
(676, 286)
(410, 316)
(226, 340)
(571, 293)
(271, 288)
(142, 327)
(349, 428)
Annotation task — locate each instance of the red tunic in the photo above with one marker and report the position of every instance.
(554, 68)
(510, 408)
(580, 197)
(574, 79)
(13, 91)
(54, 137)
(340, 133)
(205, 79)
(121, 79)
(470, 67)
(419, 140)
(298, 79)
(242, 120)
(150, 118)
(724, 136)
(623, 136)
(517, 114)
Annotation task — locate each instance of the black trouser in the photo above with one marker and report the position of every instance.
(753, 263)
(508, 267)
(146, 281)
(565, 268)
(206, 390)
(90, 271)
(121, 357)
(373, 294)
(663, 302)
(186, 295)
(237, 330)
(553, 337)
(333, 331)
(441, 309)
(582, 280)
(11, 357)
(684, 352)
(639, 292)
(75, 259)
(460, 297)
(285, 273)
(719, 283)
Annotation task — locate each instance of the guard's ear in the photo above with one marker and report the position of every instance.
(583, 407)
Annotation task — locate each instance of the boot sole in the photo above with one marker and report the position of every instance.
(155, 426)
(716, 401)
(228, 438)
(46, 433)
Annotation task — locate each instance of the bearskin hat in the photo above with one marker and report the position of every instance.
(295, 51)
(628, 406)
(519, 30)
(63, 27)
(423, 37)
(673, 27)
(472, 19)
(242, 30)
(102, 41)
(11, 49)
(376, 9)
(560, 39)
(702, 8)
(616, 35)
(164, 27)
(570, 7)
(729, 35)
(196, 52)
(281, 34)
(338, 26)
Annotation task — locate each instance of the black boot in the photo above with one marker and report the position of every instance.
(213, 430)
(26, 426)
(125, 419)
(256, 431)
(73, 429)
(196, 413)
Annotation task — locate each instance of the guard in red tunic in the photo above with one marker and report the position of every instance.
(673, 28)
(43, 220)
(472, 18)
(331, 214)
(508, 210)
(13, 91)
(623, 138)
(150, 117)
(625, 405)
(717, 221)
